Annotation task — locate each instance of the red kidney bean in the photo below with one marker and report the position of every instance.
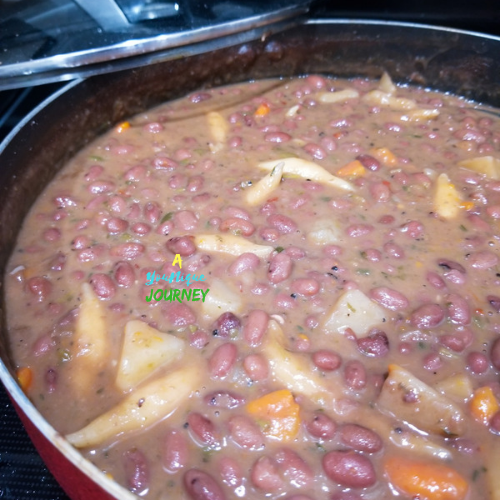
(90, 254)
(355, 375)
(179, 314)
(495, 354)
(141, 228)
(165, 228)
(277, 137)
(100, 187)
(295, 253)
(64, 201)
(237, 225)
(57, 263)
(227, 325)
(427, 316)
(52, 234)
(375, 344)
(458, 309)
(432, 361)
(494, 301)
(231, 472)
(202, 486)
(199, 339)
(389, 298)
(222, 360)
(256, 367)
(483, 260)
(477, 362)
(117, 204)
(51, 380)
(349, 469)
(197, 262)
(195, 184)
(265, 475)
(114, 225)
(202, 428)
(136, 470)
(495, 423)
(184, 246)
(315, 150)
(134, 212)
(326, 360)
(360, 438)
(103, 286)
(280, 268)
(255, 326)
(246, 433)
(394, 250)
(359, 230)
(305, 286)
(321, 426)
(224, 399)
(294, 467)
(124, 274)
(127, 251)
(413, 229)
(245, 262)
(135, 173)
(185, 220)
(43, 345)
(175, 451)
(380, 192)
(269, 234)
(93, 173)
(240, 213)
(40, 287)
(435, 280)
(369, 162)
(345, 495)
(80, 242)
(282, 223)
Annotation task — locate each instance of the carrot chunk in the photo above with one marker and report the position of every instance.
(25, 377)
(385, 155)
(279, 413)
(425, 480)
(262, 110)
(484, 404)
(352, 169)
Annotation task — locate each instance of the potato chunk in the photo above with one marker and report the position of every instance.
(221, 299)
(219, 128)
(353, 310)
(409, 399)
(446, 198)
(338, 96)
(142, 407)
(308, 170)
(325, 232)
(260, 191)
(231, 244)
(144, 350)
(487, 165)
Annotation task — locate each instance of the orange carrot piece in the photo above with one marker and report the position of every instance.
(262, 110)
(25, 377)
(352, 169)
(484, 404)
(122, 126)
(425, 480)
(385, 155)
(280, 413)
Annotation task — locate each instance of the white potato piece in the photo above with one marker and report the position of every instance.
(221, 299)
(492, 467)
(337, 96)
(487, 165)
(379, 98)
(144, 350)
(446, 198)
(91, 341)
(409, 399)
(353, 310)
(143, 407)
(457, 387)
(418, 444)
(230, 244)
(261, 190)
(325, 232)
(293, 370)
(218, 125)
(420, 114)
(308, 170)
(386, 84)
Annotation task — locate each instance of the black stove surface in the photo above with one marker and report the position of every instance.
(23, 476)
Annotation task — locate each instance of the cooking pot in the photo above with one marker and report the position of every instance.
(449, 60)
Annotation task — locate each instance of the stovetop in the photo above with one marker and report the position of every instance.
(23, 476)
